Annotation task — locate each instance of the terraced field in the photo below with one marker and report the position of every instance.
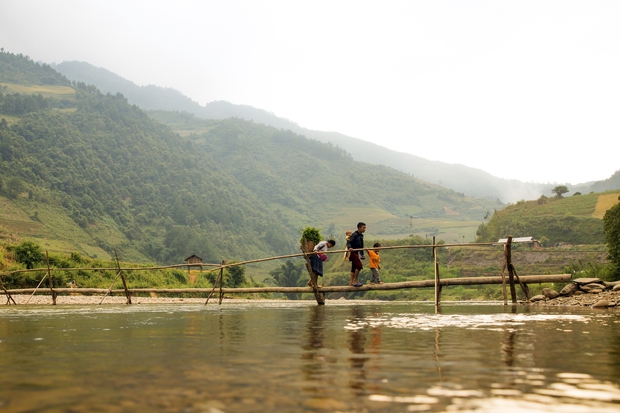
(605, 202)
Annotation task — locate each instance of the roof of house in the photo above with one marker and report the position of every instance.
(517, 239)
(193, 256)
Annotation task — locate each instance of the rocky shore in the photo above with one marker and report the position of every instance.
(582, 292)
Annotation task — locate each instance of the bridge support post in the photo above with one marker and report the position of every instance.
(437, 282)
(511, 271)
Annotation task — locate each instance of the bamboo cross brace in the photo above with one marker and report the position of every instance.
(524, 287)
(219, 277)
(127, 293)
(8, 295)
(111, 285)
(35, 290)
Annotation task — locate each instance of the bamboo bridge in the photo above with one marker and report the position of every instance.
(319, 292)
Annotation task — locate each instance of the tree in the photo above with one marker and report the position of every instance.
(611, 227)
(14, 186)
(235, 276)
(289, 275)
(29, 253)
(559, 191)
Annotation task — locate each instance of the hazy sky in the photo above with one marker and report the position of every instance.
(521, 89)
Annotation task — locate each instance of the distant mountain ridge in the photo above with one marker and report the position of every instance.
(460, 178)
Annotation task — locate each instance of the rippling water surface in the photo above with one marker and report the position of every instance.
(296, 356)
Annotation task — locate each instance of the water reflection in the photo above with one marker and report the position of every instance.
(346, 357)
(508, 345)
(436, 355)
(232, 332)
(356, 331)
(314, 366)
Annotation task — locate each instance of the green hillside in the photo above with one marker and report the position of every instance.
(86, 171)
(575, 219)
(125, 181)
(311, 183)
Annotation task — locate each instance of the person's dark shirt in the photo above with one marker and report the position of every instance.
(356, 240)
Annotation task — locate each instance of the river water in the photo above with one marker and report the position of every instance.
(297, 356)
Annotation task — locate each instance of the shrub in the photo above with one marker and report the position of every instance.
(29, 254)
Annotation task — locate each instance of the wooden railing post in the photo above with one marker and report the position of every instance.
(504, 279)
(222, 281)
(511, 273)
(307, 249)
(49, 277)
(437, 283)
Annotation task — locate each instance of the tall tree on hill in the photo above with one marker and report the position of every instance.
(559, 191)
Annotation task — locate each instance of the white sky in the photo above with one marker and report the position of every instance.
(528, 90)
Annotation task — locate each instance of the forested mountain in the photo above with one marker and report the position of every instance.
(19, 69)
(309, 179)
(470, 181)
(235, 190)
(106, 162)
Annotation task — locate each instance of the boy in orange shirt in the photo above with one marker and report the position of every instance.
(375, 264)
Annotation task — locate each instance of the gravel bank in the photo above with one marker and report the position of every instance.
(583, 300)
(96, 299)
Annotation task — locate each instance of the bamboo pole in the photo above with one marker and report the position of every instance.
(49, 278)
(524, 287)
(127, 293)
(110, 289)
(445, 282)
(8, 296)
(214, 286)
(511, 275)
(504, 281)
(437, 283)
(307, 248)
(222, 281)
(38, 285)
(163, 267)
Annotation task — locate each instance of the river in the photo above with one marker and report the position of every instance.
(297, 356)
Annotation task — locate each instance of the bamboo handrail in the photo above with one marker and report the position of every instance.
(233, 264)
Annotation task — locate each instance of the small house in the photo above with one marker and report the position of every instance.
(193, 261)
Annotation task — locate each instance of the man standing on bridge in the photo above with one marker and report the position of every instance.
(356, 242)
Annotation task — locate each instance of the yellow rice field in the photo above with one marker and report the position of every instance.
(604, 203)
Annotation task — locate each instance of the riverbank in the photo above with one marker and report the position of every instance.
(22, 299)
(583, 300)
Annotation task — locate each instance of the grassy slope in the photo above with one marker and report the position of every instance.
(51, 228)
(44, 223)
(55, 91)
(574, 219)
